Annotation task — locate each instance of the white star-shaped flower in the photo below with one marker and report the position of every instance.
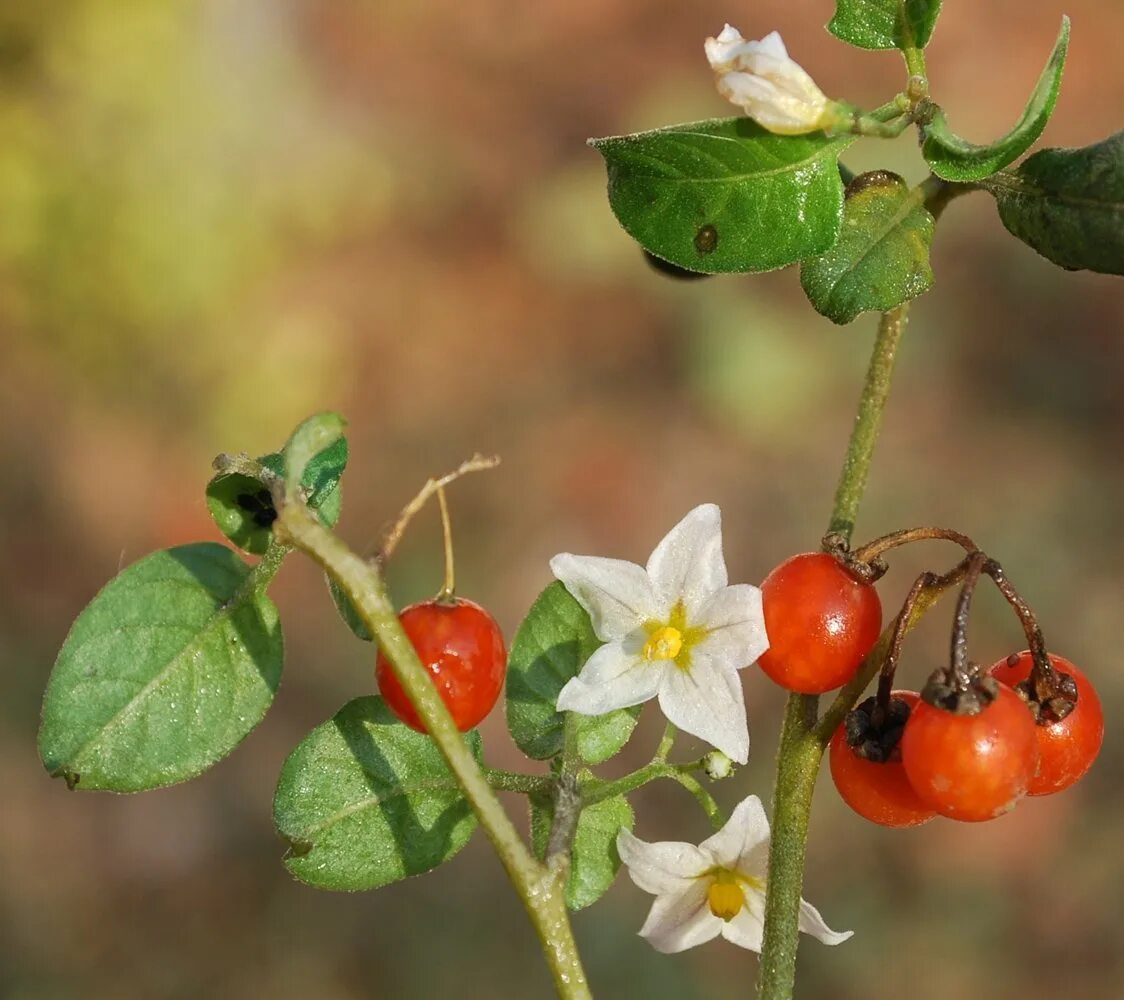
(673, 630)
(715, 888)
(763, 81)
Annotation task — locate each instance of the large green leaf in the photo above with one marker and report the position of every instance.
(243, 508)
(163, 673)
(594, 858)
(1068, 204)
(551, 646)
(885, 24)
(882, 257)
(364, 800)
(726, 195)
(956, 159)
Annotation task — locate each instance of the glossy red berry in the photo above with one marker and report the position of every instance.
(1066, 747)
(462, 647)
(971, 767)
(877, 790)
(820, 621)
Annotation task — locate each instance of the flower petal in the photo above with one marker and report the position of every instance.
(687, 564)
(706, 700)
(678, 921)
(772, 45)
(735, 625)
(612, 678)
(617, 594)
(746, 928)
(667, 866)
(722, 51)
(745, 831)
(812, 923)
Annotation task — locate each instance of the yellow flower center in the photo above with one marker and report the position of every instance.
(663, 644)
(725, 896)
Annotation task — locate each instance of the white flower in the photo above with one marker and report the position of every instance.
(715, 888)
(673, 630)
(770, 87)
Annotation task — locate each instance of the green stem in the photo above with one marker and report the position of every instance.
(514, 781)
(598, 789)
(876, 389)
(542, 894)
(801, 748)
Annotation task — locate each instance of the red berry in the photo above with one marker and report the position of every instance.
(821, 622)
(971, 767)
(877, 790)
(1066, 748)
(462, 647)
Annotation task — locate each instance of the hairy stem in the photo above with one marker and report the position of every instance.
(363, 584)
(800, 751)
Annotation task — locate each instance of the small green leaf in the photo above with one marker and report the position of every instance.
(163, 673)
(726, 195)
(882, 257)
(885, 24)
(315, 435)
(1068, 204)
(956, 159)
(364, 801)
(551, 646)
(243, 509)
(347, 611)
(594, 859)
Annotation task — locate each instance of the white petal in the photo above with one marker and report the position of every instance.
(721, 51)
(773, 45)
(735, 624)
(688, 565)
(612, 678)
(812, 923)
(617, 594)
(706, 701)
(745, 832)
(681, 920)
(746, 928)
(667, 866)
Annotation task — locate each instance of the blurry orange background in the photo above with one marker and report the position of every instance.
(216, 218)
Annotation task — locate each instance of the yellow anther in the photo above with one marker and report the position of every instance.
(725, 896)
(663, 644)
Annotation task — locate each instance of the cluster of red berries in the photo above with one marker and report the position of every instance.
(968, 754)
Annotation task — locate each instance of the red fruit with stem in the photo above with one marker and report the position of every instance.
(462, 647)
(971, 767)
(821, 623)
(875, 785)
(1067, 746)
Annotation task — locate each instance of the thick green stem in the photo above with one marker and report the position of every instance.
(868, 420)
(542, 893)
(801, 746)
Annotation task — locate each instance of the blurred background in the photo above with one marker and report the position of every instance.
(217, 218)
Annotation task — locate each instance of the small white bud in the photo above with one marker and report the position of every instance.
(717, 765)
(764, 82)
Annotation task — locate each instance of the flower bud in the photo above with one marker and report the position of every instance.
(770, 87)
(717, 765)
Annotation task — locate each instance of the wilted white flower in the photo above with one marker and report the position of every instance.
(673, 630)
(770, 87)
(715, 888)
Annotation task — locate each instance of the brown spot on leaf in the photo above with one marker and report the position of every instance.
(706, 240)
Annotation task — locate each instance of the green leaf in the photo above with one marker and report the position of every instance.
(243, 509)
(347, 611)
(551, 646)
(163, 673)
(956, 159)
(885, 24)
(313, 437)
(364, 801)
(726, 195)
(882, 257)
(594, 858)
(1068, 204)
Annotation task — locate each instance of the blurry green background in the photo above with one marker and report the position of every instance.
(218, 217)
